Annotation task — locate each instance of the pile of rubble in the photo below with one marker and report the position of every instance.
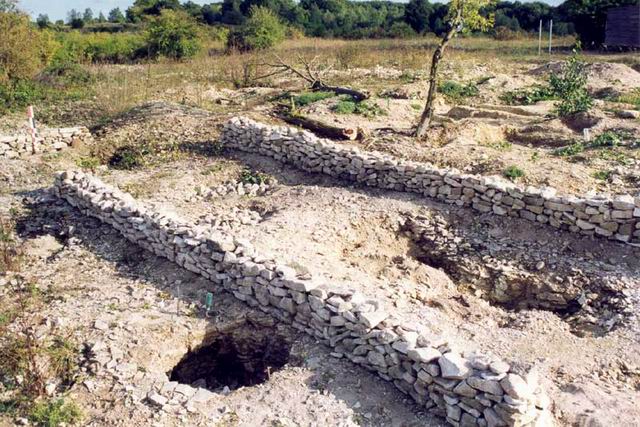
(46, 140)
(241, 189)
(468, 389)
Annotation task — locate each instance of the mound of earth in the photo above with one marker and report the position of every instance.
(601, 75)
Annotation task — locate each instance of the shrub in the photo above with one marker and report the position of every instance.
(55, 413)
(602, 175)
(456, 91)
(504, 33)
(348, 106)
(401, 30)
(129, 157)
(262, 30)
(513, 172)
(248, 176)
(173, 34)
(570, 88)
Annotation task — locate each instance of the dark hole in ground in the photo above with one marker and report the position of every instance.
(245, 356)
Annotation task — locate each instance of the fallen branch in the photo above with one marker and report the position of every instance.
(313, 77)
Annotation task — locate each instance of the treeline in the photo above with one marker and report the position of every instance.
(325, 18)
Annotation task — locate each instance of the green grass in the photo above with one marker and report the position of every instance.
(311, 97)
(55, 413)
(632, 97)
(513, 173)
(88, 163)
(501, 146)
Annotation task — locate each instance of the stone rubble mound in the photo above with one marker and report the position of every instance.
(468, 389)
(615, 217)
(47, 140)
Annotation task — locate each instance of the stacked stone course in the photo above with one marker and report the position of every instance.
(47, 140)
(468, 389)
(613, 218)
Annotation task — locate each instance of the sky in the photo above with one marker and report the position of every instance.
(57, 9)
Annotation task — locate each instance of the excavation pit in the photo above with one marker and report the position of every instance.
(245, 356)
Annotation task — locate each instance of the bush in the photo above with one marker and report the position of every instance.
(571, 88)
(348, 106)
(262, 30)
(24, 51)
(173, 34)
(401, 30)
(607, 139)
(570, 150)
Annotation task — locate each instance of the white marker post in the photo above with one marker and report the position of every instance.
(540, 39)
(550, 34)
(32, 128)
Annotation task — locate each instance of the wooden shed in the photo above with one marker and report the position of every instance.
(623, 27)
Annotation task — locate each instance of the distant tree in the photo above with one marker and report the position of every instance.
(464, 15)
(590, 18)
(8, 5)
(142, 8)
(87, 16)
(101, 18)
(417, 14)
(60, 23)
(173, 34)
(230, 12)
(116, 16)
(74, 19)
(43, 21)
(287, 10)
(262, 30)
(193, 9)
(211, 13)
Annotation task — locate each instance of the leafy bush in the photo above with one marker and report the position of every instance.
(528, 96)
(262, 30)
(129, 157)
(602, 175)
(55, 413)
(456, 91)
(571, 88)
(607, 139)
(173, 34)
(513, 172)
(248, 176)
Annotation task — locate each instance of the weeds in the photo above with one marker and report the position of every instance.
(10, 251)
(513, 173)
(602, 175)
(608, 139)
(346, 106)
(248, 176)
(528, 96)
(570, 150)
(632, 97)
(88, 163)
(55, 413)
(456, 91)
(501, 146)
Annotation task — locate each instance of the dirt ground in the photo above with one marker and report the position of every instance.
(140, 314)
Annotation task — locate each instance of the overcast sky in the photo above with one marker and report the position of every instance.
(57, 9)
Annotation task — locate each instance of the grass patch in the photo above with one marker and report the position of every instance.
(10, 251)
(88, 163)
(513, 173)
(607, 139)
(455, 91)
(311, 97)
(632, 97)
(501, 146)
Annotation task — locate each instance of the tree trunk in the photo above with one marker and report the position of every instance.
(321, 129)
(355, 94)
(427, 114)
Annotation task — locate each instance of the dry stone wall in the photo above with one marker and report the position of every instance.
(467, 389)
(47, 140)
(614, 218)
